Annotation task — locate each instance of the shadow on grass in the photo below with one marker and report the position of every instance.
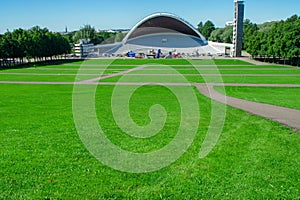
(40, 63)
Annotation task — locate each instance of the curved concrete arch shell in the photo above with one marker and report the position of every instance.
(164, 31)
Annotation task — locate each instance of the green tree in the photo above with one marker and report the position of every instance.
(200, 27)
(250, 29)
(290, 46)
(108, 37)
(1, 48)
(8, 46)
(36, 43)
(255, 44)
(207, 29)
(265, 27)
(280, 40)
(216, 35)
(227, 36)
(88, 33)
(119, 36)
(223, 35)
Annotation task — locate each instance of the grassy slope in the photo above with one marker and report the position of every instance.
(179, 62)
(59, 71)
(153, 70)
(38, 78)
(196, 79)
(215, 71)
(165, 61)
(42, 157)
(251, 80)
(286, 97)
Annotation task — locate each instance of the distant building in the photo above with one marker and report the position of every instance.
(115, 30)
(229, 24)
(66, 32)
(110, 31)
(238, 28)
(167, 33)
(163, 31)
(83, 48)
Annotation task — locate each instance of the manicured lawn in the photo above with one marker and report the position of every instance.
(262, 80)
(89, 66)
(32, 78)
(199, 79)
(150, 61)
(286, 97)
(59, 72)
(42, 156)
(236, 66)
(44, 71)
(157, 79)
(150, 70)
(220, 62)
(180, 62)
(5, 77)
(279, 71)
(248, 79)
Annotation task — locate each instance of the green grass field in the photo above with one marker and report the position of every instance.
(42, 156)
(199, 79)
(285, 97)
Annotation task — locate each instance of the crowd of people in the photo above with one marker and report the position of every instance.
(153, 54)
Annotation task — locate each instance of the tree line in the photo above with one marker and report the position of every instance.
(277, 41)
(38, 44)
(270, 41)
(225, 35)
(280, 43)
(89, 33)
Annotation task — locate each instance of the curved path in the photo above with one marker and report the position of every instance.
(255, 62)
(285, 116)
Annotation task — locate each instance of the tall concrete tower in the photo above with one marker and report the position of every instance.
(238, 28)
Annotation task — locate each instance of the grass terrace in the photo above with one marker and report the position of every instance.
(43, 157)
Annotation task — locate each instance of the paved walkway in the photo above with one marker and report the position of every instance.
(112, 75)
(285, 116)
(254, 62)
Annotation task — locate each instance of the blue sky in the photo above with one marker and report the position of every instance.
(57, 14)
